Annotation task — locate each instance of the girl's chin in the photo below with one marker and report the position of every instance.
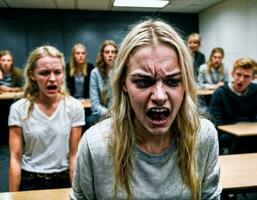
(159, 131)
(158, 128)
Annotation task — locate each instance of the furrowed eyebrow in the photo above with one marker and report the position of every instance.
(138, 75)
(174, 75)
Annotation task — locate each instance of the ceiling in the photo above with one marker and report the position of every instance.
(183, 6)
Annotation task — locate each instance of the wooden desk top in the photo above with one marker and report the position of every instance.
(240, 129)
(238, 171)
(204, 92)
(10, 95)
(55, 194)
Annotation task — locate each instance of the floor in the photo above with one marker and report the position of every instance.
(4, 165)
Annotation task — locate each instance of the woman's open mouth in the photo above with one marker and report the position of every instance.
(158, 116)
(51, 88)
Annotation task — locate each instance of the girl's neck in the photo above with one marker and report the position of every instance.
(109, 68)
(48, 105)
(153, 144)
(216, 67)
(5, 73)
(48, 101)
(78, 69)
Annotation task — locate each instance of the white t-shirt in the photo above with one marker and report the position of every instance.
(46, 139)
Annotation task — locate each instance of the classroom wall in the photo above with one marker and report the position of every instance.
(21, 30)
(231, 25)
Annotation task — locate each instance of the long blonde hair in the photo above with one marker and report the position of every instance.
(185, 125)
(31, 89)
(72, 62)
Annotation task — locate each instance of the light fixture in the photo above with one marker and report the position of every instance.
(141, 3)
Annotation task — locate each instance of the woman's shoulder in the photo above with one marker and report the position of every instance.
(19, 107)
(99, 134)
(96, 74)
(90, 68)
(207, 131)
(72, 102)
(95, 70)
(207, 140)
(203, 66)
(21, 103)
(16, 71)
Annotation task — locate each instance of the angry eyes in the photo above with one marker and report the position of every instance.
(48, 72)
(145, 82)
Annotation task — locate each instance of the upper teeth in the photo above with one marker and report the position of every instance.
(158, 109)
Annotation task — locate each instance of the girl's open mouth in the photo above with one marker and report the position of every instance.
(158, 115)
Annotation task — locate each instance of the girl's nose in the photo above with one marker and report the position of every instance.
(52, 77)
(159, 94)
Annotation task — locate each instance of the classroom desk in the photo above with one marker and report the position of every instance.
(204, 96)
(10, 95)
(16, 95)
(202, 92)
(55, 194)
(240, 129)
(238, 171)
(244, 136)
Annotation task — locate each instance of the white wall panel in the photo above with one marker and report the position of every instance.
(231, 25)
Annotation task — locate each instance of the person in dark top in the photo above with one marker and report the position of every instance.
(236, 101)
(193, 43)
(11, 79)
(78, 72)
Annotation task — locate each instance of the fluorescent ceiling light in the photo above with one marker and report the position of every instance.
(140, 3)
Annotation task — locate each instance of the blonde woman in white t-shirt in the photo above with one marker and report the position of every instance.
(45, 126)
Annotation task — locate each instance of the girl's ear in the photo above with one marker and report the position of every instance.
(31, 75)
(124, 87)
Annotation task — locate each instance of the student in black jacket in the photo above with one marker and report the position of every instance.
(236, 101)
(78, 72)
(194, 43)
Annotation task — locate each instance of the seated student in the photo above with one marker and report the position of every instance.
(154, 145)
(213, 74)
(45, 126)
(11, 79)
(99, 91)
(78, 72)
(236, 101)
(194, 43)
